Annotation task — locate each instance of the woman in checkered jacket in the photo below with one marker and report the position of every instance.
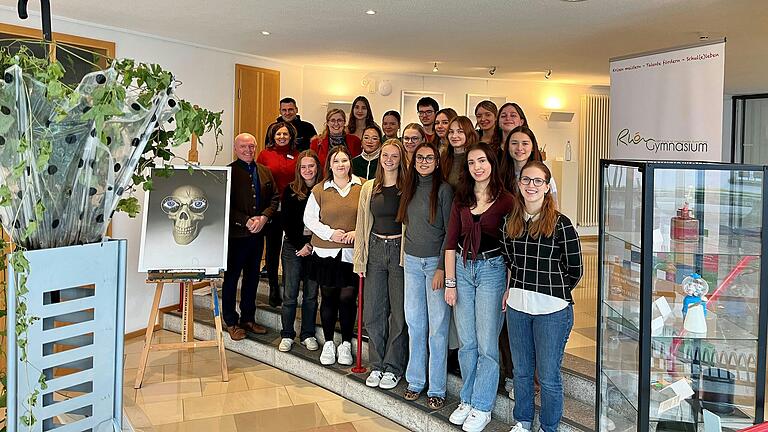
(543, 254)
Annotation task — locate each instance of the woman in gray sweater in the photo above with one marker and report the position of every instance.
(425, 208)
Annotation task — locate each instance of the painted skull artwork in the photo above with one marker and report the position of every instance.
(186, 207)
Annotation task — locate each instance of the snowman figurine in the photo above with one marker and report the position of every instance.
(695, 303)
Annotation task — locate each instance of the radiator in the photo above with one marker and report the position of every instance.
(594, 145)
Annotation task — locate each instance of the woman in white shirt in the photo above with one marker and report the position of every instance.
(331, 214)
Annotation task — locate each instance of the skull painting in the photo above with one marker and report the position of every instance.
(186, 208)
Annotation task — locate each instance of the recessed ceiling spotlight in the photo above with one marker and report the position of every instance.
(370, 12)
(265, 33)
(435, 69)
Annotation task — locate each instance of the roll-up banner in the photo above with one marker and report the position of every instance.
(668, 105)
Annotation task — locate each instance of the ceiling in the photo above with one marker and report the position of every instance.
(522, 38)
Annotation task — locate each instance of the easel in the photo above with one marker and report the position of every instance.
(187, 321)
(187, 282)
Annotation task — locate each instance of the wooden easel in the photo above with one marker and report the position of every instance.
(187, 323)
(186, 302)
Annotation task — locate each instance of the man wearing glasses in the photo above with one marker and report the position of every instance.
(427, 109)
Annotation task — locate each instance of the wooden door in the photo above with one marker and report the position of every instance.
(257, 100)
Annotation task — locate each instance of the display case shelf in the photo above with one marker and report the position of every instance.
(661, 357)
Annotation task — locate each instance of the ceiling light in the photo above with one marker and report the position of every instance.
(548, 74)
(435, 69)
(370, 12)
(265, 33)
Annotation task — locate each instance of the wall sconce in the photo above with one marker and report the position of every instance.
(557, 116)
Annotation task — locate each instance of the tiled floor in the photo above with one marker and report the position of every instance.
(183, 392)
(583, 337)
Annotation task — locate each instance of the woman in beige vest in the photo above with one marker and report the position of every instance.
(331, 214)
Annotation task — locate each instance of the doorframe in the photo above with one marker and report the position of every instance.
(735, 100)
(238, 67)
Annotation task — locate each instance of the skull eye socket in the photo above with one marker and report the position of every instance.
(170, 205)
(198, 205)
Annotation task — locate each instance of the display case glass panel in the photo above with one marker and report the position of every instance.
(681, 312)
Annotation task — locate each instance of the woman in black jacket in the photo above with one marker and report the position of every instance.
(297, 255)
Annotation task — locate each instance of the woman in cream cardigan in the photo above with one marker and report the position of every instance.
(377, 259)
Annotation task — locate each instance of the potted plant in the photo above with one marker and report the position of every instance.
(69, 158)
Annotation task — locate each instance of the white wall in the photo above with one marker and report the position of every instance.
(208, 77)
(322, 85)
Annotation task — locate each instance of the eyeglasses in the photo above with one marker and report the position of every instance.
(336, 121)
(415, 139)
(426, 113)
(537, 181)
(428, 159)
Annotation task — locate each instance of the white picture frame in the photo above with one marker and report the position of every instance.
(472, 99)
(342, 105)
(164, 247)
(408, 100)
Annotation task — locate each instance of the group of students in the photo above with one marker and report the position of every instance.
(448, 226)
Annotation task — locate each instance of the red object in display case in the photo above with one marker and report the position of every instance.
(757, 428)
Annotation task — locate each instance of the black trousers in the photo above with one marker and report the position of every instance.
(243, 256)
(274, 240)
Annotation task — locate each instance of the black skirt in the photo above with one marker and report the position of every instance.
(333, 272)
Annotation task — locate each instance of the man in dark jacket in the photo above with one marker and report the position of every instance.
(253, 201)
(289, 113)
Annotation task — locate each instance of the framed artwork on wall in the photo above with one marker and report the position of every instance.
(408, 100)
(342, 105)
(186, 220)
(474, 99)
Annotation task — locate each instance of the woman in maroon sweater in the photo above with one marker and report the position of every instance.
(280, 157)
(475, 279)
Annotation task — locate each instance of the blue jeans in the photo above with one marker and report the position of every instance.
(295, 273)
(537, 343)
(427, 315)
(480, 285)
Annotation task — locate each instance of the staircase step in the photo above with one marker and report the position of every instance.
(578, 374)
(578, 416)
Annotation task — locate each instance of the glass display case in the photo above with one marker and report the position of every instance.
(682, 311)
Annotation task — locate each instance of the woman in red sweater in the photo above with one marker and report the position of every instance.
(280, 157)
(334, 135)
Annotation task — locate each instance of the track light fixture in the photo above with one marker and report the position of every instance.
(435, 69)
(548, 74)
(492, 71)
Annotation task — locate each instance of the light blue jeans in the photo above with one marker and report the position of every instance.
(537, 343)
(480, 286)
(427, 315)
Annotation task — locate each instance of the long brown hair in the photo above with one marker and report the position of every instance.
(508, 162)
(412, 181)
(496, 137)
(328, 115)
(471, 138)
(465, 193)
(352, 124)
(333, 152)
(378, 180)
(545, 224)
(298, 186)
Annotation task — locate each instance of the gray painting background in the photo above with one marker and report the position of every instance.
(159, 250)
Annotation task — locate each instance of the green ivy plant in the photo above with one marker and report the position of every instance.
(134, 78)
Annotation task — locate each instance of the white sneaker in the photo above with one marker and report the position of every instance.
(519, 428)
(285, 345)
(389, 381)
(476, 421)
(374, 379)
(460, 414)
(310, 343)
(345, 354)
(512, 393)
(328, 356)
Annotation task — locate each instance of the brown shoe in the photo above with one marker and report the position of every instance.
(236, 332)
(254, 328)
